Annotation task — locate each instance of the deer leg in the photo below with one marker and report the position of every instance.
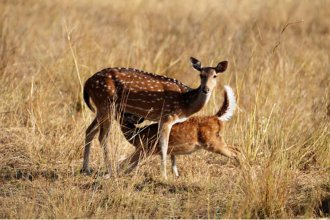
(103, 139)
(220, 147)
(234, 149)
(132, 161)
(174, 167)
(239, 156)
(165, 129)
(90, 134)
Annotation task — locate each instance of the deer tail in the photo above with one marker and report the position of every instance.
(229, 104)
(87, 99)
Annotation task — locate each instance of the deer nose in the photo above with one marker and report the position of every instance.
(205, 90)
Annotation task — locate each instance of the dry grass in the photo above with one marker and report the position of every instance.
(280, 72)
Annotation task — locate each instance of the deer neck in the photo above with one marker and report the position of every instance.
(195, 100)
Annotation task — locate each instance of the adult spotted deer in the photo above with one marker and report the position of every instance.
(198, 132)
(151, 96)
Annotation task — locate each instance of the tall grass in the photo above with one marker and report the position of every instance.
(278, 53)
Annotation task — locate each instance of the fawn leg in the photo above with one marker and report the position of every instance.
(174, 167)
(220, 147)
(132, 161)
(239, 156)
(90, 134)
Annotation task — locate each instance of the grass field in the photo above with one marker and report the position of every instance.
(279, 67)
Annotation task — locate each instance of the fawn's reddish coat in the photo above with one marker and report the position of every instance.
(198, 132)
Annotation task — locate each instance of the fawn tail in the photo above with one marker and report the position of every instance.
(229, 104)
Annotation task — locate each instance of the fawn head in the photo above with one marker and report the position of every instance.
(129, 118)
(208, 74)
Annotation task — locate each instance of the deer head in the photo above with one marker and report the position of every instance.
(131, 118)
(208, 75)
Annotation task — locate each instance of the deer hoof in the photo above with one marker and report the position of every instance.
(87, 171)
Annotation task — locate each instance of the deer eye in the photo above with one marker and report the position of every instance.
(215, 76)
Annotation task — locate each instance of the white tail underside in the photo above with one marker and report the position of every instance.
(232, 104)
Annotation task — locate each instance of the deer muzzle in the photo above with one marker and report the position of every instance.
(205, 89)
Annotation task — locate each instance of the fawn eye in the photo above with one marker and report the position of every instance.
(215, 76)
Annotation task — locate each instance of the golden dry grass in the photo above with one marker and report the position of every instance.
(278, 53)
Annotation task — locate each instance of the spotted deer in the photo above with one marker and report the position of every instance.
(150, 96)
(198, 132)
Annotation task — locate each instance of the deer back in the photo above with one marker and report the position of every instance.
(138, 92)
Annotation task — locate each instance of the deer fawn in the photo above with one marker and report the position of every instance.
(199, 132)
(151, 96)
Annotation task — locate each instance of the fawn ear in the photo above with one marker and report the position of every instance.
(196, 64)
(221, 67)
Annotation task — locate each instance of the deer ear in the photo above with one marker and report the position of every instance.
(196, 64)
(221, 67)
